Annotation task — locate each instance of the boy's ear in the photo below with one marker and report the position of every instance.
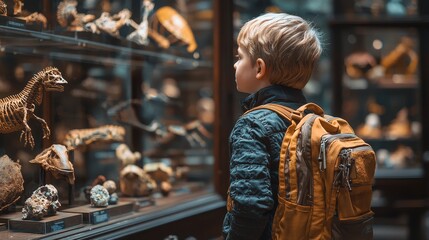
(261, 68)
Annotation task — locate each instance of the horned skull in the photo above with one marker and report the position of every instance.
(53, 80)
(55, 159)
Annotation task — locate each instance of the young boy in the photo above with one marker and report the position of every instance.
(276, 56)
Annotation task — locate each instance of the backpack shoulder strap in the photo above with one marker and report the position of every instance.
(283, 111)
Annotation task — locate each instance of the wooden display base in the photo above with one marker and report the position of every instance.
(95, 215)
(50, 224)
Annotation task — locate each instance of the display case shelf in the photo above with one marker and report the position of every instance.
(72, 46)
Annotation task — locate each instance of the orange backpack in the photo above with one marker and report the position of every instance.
(325, 178)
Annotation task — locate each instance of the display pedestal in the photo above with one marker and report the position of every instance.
(4, 218)
(95, 215)
(50, 224)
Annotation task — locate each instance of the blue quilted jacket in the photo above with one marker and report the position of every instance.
(255, 143)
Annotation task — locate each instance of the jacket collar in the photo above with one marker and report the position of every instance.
(279, 94)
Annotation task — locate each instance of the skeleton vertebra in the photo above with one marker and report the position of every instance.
(16, 110)
(55, 159)
(78, 137)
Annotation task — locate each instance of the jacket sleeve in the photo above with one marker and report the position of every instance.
(250, 184)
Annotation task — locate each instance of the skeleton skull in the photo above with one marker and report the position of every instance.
(55, 159)
(53, 80)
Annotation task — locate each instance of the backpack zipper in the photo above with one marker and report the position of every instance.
(342, 179)
(324, 143)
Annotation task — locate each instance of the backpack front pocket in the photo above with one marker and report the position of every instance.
(291, 221)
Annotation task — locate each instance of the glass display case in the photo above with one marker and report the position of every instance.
(134, 105)
(380, 88)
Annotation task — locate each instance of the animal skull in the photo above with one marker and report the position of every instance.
(55, 159)
(53, 80)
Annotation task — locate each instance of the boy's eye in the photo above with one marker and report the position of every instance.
(237, 56)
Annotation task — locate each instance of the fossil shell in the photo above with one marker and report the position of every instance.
(43, 202)
(134, 181)
(11, 182)
(99, 196)
(55, 159)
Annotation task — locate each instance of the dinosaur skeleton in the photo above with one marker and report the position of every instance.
(16, 110)
(79, 137)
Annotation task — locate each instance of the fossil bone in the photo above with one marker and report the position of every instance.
(78, 137)
(43, 202)
(16, 110)
(140, 35)
(3, 8)
(109, 24)
(11, 182)
(134, 182)
(17, 6)
(55, 159)
(35, 17)
(124, 154)
(67, 16)
(168, 26)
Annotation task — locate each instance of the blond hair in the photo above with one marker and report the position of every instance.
(288, 44)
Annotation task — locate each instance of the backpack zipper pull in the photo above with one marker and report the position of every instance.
(347, 162)
(322, 154)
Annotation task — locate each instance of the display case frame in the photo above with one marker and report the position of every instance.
(404, 190)
(200, 214)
